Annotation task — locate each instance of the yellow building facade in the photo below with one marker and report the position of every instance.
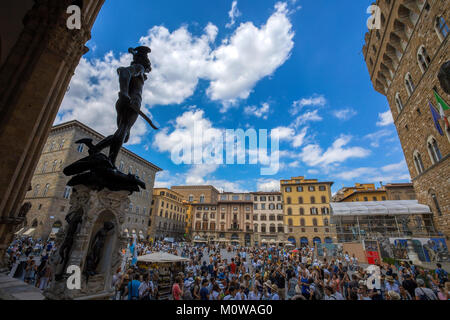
(307, 210)
(363, 192)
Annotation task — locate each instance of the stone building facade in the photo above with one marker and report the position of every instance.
(400, 191)
(49, 196)
(403, 59)
(168, 215)
(219, 217)
(268, 218)
(307, 210)
(37, 59)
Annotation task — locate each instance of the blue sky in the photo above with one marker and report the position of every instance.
(293, 66)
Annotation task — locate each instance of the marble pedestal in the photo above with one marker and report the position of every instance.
(97, 208)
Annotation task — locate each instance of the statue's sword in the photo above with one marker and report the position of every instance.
(147, 119)
(143, 115)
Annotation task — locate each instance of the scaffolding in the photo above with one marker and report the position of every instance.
(373, 220)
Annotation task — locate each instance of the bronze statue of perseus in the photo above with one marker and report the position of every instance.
(98, 170)
(128, 105)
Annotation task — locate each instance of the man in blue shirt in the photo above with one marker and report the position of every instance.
(204, 293)
(133, 288)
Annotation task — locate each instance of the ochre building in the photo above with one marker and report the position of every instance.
(307, 210)
(168, 215)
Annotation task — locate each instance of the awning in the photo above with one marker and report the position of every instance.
(29, 231)
(161, 257)
(373, 208)
(20, 231)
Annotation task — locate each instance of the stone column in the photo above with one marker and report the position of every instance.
(33, 81)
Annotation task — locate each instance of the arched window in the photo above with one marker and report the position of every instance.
(409, 84)
(302, 222)
(121, 165)
(52, 146)
(398, 102)
(288, 200)
(44, 166)
(36, 190)
(289, 211)
(325, 221)
(271, 206)
(313, 211)
(418, 163)
(66, 194)
(441, 28)
(435, 203)
(202, 198)
(55, 163)
(302, 211)
(61, 144)
(323, 199)
(433, 150)
(80, 147)
(423, 59)
(300, 200)
(313, 199)
(314, 222)
(191, 198)
(255, 228)
(46, 189)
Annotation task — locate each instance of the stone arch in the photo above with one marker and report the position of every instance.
(111, 241)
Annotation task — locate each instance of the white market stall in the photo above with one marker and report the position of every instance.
(166, 264)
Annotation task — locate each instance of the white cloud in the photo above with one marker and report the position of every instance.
(389, 173)
(261, 112)
(250, 54)
(396, 167)
(233, 14)
(344, 114)
(268, 185)
(309, 116)
(313, 155)
(376, 137)
(289, 134)
(313, 101)
(385, 119)
(186, 128)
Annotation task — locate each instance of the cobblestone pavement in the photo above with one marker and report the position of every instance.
(16, 289)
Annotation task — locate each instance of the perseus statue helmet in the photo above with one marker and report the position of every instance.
(140, 57)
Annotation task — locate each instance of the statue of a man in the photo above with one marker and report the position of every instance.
(131, 80)
(73, 219)
(95, 254)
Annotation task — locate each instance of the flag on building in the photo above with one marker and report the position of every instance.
(442, 106)
(436, 118)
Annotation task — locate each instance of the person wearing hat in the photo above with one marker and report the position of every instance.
(274, 295)
(392, 295)
(391, 285)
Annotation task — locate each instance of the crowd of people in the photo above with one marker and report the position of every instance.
(278, 274)
(30, 260)
(246, 273)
